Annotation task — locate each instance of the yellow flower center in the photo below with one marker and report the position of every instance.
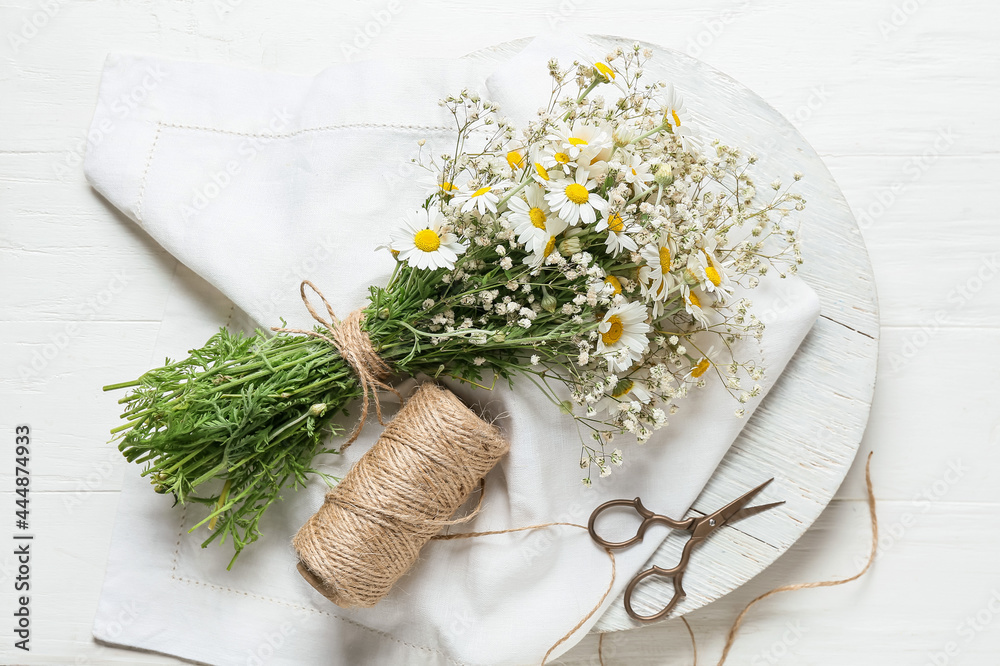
(634, 172)
(677, 119)
(427, 240)
(447, 187)
(577, 193)
(514, 159)
(577, 141)
(541, 171)
(614, 332)
(664, 260)
(694, 300)
(699, 370)
(481, 191)
(549, 247)
(562, 158)
(537, 217)
(623, 387)
(614, 282)
(615, 223)
(713, 275)
(605, 71)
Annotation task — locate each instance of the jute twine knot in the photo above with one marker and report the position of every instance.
(401, 492)
(355, 347)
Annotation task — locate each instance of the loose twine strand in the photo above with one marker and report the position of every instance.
(731, 637)
(355, 347)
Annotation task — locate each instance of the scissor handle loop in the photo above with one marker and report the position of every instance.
(676, 575)
(648, 518)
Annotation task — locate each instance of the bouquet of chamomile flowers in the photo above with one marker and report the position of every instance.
(595, 253)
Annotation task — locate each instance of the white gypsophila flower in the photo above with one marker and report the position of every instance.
(535, 359)
(622, 339)
(506, 263)
(532, 220)
(618, 239)
(573, 200)
(424, 243)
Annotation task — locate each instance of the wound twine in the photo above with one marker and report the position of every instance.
(355, 347)
(401, 492)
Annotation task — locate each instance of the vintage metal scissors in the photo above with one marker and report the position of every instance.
(700, 527)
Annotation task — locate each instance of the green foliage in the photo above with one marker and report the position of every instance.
(249, 413)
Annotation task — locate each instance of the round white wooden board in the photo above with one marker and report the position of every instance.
(808, 429)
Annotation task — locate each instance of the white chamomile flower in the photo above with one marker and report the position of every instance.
(625, 390)
(554, 156)
(655, 277)
(515, 158)
(436, 183)
(618, 234)
(483, 198)
(531, 219)
(637, 171)
(703, 364)
(573, 200)
(712, 275)
(581, 137)
(675, 115)
(623, 328)
(423, 243)
(538, 257)
(693, 305)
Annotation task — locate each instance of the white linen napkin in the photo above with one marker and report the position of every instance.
(256, 180)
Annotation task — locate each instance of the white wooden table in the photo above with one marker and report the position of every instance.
(898, 97)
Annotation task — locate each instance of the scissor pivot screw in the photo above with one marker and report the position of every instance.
(711, 522)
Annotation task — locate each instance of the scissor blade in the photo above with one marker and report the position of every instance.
(753, 510)
(723, 515)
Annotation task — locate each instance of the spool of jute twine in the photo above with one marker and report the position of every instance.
(402, 491)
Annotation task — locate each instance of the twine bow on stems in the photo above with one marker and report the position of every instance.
(355, 347)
